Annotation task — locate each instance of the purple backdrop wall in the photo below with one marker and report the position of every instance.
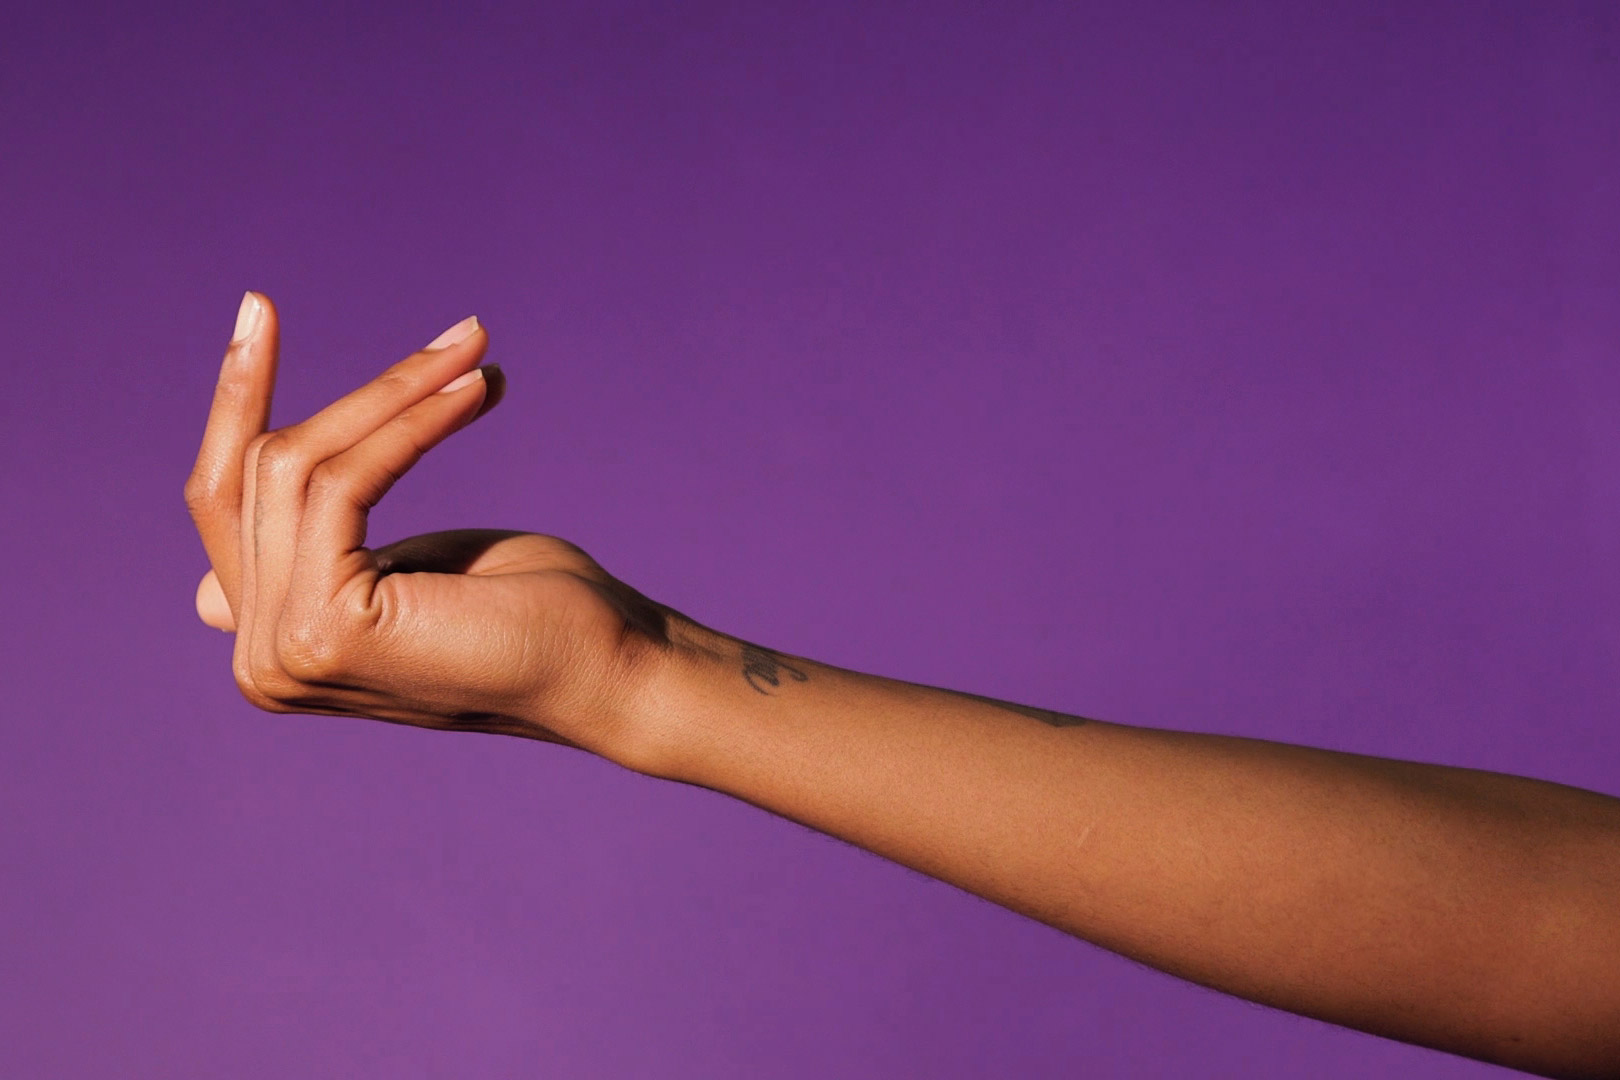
(1245, 368)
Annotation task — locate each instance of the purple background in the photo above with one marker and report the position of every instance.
(1240, 368)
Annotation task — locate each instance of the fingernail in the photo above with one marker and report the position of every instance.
(247, 318)
(459, 332)
(465, 380)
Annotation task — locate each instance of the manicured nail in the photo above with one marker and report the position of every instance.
(459, 332)
(464, 380)
(247, 318)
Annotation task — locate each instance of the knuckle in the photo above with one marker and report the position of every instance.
(234, 384)
(398, 381)
(310, 651)
(243, 673)
(327, 478)
(279, 456)
(202, 493)
(284, 693)
(249, 685)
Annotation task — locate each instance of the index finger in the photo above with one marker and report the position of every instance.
(240, 412)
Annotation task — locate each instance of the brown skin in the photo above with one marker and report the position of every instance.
(469, 630)
(1469, 911)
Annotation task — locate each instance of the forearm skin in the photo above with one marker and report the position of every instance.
(1468, 911)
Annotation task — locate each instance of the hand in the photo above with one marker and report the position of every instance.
(475, 630)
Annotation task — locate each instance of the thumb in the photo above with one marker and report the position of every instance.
(212, 607)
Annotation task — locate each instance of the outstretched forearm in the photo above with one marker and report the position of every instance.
(1469, 911)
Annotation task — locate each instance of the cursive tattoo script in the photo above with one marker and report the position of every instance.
(763, 668)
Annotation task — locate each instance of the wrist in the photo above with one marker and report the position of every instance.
(664, 688)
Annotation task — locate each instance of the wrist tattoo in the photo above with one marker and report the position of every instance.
(763, 668)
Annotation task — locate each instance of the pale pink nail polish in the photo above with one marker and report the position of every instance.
(247, 318)
(459, 332)
(464, 380)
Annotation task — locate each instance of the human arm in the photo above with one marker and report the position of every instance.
(1468, 911)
